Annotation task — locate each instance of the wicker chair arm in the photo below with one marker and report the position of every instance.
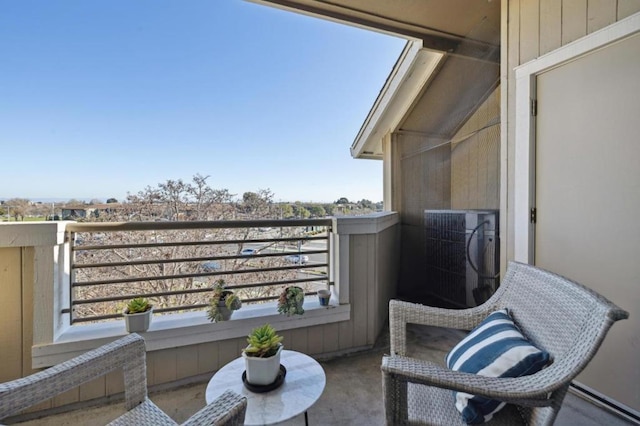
(127, 352)
(228, 409)
(525, 390)
(403, 313)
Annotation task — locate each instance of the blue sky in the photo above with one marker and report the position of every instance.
(101, 98)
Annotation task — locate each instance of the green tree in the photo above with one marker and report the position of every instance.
(329, 208)
(342, 200)
(317, 210)
(258, 204)
(365, 204)
(300, 211)
(286, 211)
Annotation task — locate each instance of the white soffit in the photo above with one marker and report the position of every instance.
(405, 83)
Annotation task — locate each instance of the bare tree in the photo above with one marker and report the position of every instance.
(18, 207)
(177, 200)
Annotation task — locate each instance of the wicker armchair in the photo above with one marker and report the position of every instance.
(564, 318)
(129, 354)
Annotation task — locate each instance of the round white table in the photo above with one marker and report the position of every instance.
(303, 385)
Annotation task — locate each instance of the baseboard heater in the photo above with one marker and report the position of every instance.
(462, 254)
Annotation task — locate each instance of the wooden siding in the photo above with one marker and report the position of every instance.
(475, 159)
(435, 174)
(11, 313)
(533, 28)
(424, 173)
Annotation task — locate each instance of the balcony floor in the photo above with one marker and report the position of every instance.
(353, 395)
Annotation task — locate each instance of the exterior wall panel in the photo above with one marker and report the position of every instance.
(475, 159)
(11, 313)
(560, 23)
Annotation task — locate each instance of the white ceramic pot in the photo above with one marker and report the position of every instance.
(138, 322)
(262, 371)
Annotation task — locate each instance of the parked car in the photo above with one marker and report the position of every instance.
(210, 266)
(248, 252)
(297, 258)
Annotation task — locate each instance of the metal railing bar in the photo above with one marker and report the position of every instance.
(77, 302)
(194, 243)
(137, 295)
(195, 275)
(193, 259)
(157, 226)
(159, 310)
(279, 282)
(267, 298)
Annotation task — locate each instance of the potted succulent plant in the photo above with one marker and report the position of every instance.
(222, 303)
(262, 355)
(137, 315)
(290, 301)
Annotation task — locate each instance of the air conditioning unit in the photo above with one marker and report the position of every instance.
(462, 255)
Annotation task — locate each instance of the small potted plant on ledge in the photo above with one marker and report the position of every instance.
(290, 301)
(137, 315)
(222, 303)
(262, 355)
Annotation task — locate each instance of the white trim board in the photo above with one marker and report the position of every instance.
(525, 124)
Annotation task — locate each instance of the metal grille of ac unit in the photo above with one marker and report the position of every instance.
(462, 255)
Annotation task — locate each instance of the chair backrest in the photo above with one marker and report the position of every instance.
(565, 318)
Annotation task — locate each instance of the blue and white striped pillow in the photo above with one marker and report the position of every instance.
(495, 348)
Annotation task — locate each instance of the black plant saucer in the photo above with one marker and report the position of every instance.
(265, 388)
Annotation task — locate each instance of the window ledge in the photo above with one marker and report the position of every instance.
(171, 331)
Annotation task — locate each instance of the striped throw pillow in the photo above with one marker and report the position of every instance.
(495, 348)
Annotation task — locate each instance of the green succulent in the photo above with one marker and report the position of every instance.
(263, 342)
(290, 301)
(231, 301)
(138, 305)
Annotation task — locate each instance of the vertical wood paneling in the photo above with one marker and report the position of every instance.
(371, 289)
(529, 30)
(330, 335)
(228, 350)
(627, 8)
(93, 389)
(207, 357)
(286, 338)
(162, 366)
(68, 397)
(10, 313)
(475, 161)
(600, 13)
(114, 382)
(28, 259)
(345, 334)
(314, 339)
(574, 20)
(513, 60)
(186, 362)
(299, 340)
(358, 252)
(550, 26)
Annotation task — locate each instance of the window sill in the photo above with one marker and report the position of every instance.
(171, 331)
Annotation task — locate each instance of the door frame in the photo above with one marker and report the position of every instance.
(526, 75)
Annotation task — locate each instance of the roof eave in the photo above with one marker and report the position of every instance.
(406, 81)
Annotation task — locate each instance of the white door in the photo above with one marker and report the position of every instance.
(587, 196)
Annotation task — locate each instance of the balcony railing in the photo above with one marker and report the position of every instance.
(175, 264)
